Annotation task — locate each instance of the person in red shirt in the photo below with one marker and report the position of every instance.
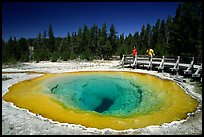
(134, 52)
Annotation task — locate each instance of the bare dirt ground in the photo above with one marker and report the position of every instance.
(17, 121)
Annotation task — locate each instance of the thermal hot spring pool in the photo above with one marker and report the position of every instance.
(103, 99)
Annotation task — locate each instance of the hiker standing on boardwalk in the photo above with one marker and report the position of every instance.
(150, 52)
(134, 52)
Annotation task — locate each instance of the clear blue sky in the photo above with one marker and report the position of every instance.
(27, 19)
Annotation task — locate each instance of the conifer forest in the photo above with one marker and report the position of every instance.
(180, 35)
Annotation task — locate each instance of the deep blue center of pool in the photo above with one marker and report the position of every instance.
(102, 94)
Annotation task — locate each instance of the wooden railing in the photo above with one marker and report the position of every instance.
(173, 63)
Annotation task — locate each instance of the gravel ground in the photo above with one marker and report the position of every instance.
(17, 121)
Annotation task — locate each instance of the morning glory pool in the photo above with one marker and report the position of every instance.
(103, 99)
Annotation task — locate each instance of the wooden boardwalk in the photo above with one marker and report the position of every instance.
(172, 64)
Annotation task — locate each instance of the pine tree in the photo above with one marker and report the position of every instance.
(39, 41)
(186, 38)
(169, 27)
(74, 48)
(108, 50)
(147, 37)
(156, 33)
(129, 41)
(45, 40)
(51, 39)
(68, 47)
(162, 39)
(94, 46)
(3, 50)
(192, 28)
(86, 41)
(103, 39)
(142, 47)
(80, 45)
(112, 39)
(10, 51)
(177, 38)
(121, 45)
(23, 50)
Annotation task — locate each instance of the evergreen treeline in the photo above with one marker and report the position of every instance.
(179, 35)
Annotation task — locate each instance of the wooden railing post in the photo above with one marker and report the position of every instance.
(161, 65)
(177, 65)
(193, 61)
(150, 64)
(122, 61)
(189, 70)
(196, 74)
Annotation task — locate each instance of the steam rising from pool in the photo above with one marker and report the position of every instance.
(118, 100)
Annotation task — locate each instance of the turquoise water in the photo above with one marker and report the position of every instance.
(104, 94)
